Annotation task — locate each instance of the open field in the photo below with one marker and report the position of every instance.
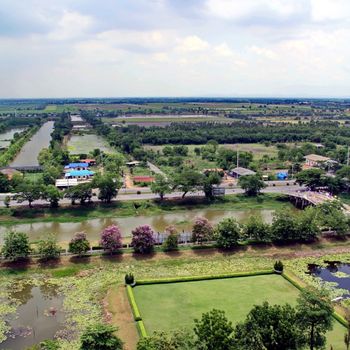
(175, 305)
(83, 144)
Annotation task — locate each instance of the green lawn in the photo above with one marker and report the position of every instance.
(173, 306)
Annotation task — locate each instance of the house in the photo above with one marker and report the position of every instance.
(315, 160)
(76, 166)
(66, 183)
(9, 172)
(282, 175)
(239, 171)
(89, 162)
(147, 179)
(79, 174)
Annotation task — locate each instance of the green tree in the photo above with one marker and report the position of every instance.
(251, 184)
(100, 337)
(52, 194)
(28, 191)
(5, 184)
(284, 226)
(7, 201)
(311, 178)
(208, 182)
(48, 248)
(161, 186)
(16, 246)
(108, 187)
(81, 192)
(177, 340)
(271, 327)
(314, 317)
(307, 225)
(188, 180)
(213, 331)
(171, 241)
(256, 229)
(228, 232)
(79, 244)
(202, 230)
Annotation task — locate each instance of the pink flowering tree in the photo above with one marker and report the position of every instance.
(202, 230)
(111, 238)
(142, 239)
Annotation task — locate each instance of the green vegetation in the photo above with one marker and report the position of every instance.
(10, 216)
(236, 296)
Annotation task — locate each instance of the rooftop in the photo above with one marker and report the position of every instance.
(243, 171)
(75, 165)
(316, 158)
(79, 173)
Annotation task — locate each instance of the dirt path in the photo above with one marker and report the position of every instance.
(119, 314)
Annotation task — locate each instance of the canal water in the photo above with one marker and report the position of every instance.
(182, 220)
(7, 136)
(334, 272)
(38, 317)
(30, 151)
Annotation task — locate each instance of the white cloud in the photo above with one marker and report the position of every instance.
(71, 25)
(325, 10)
(263, 51)
(192, 43)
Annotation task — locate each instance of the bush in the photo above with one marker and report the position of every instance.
(79, 244)
(202, 230)
(278, 266)
(171, 242)
(142, 239)
(48, 248)
(228, 233)
(111, 238)
(100, 337)
(16, 246)
(129, 278)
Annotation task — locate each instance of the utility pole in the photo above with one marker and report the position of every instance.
(237, 158)
(347, 160)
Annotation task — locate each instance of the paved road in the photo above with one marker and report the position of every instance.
(127, 194)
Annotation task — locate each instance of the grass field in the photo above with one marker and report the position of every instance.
(172, 306)
(87, 143)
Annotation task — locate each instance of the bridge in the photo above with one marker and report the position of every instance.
(306, 198)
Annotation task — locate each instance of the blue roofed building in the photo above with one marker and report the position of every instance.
(76, 166)
(79, 174)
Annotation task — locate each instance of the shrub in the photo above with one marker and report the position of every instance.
(100, 337)
(129, 278)
(16, 246)
(228, 232)
(202, 230)
(111, 238)
(278, 266)
(79, 244)
(142, 239)
(48, 248)
(171, 242)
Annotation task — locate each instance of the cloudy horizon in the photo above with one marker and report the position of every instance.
(130, 48)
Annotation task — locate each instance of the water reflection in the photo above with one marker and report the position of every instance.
(182, 220)
(334, 272)
(38, 317)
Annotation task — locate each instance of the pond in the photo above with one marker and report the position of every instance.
(183, 221)
(7, 136)
(30, 151)
(336, 273)
(39, 316)
(83, 144)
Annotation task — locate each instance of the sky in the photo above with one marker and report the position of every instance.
(182, 48)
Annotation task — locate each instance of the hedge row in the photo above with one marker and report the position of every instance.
(141, 328)
(202, 278)
(134, 307)
(336, 316)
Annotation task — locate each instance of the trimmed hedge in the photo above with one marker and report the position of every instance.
(142, 329)
(134, 307)
(340, 319)
(292, 281)
(202, 278)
